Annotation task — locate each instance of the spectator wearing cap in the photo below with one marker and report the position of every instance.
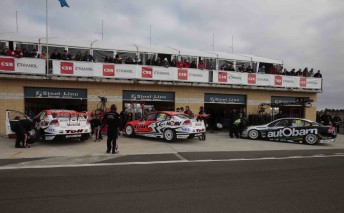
(165, 63)
(56, 55)
(201, 65)
(88, 57)
(34, 54)
(118, 59)
(318, 75)
(66, 55)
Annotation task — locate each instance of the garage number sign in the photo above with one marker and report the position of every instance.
(63, 93)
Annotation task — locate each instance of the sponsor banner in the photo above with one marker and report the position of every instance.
(284, 100)
(162, 73)
(313, 83)
(292, 132)
(224, 98)
(148, 96)
(75, 68)
(226, 77)
(263, 80)
(108, 70)
(193, 75)
(125, 71)
(303, 82)
(22, 65)
(45, 92)
(235, 78)
(289, 81)
(146, 73)
(278, 81)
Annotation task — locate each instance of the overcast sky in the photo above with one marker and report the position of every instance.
(302, 33)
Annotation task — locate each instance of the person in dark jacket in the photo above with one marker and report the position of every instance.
(56, 55)
(88, 57)
(337, 122)
(317, 75)
(21, 127)
(113, 120)
(326, 119)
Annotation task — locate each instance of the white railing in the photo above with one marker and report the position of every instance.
(128, 71)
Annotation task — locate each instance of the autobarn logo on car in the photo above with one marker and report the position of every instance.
(291, 132)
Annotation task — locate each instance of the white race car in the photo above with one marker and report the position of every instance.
(51, 124)
(166, 125)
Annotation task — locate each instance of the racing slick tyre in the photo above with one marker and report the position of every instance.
(170, 135)
(253, 134)
(311, 139)
(129, 131)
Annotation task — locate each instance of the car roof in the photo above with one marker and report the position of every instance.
(295, 118)
(50, 111)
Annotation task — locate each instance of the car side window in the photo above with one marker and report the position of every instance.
(297, 123)
(306, 123)
(282, 123)
(151, 117)
(42, 115)
(273, 124)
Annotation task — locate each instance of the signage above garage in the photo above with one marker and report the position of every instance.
(62, 93)
(224, 98)
(148, 96)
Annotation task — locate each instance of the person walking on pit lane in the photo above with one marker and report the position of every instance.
(113, 120)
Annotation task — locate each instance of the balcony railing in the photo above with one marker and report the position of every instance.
(10, 65)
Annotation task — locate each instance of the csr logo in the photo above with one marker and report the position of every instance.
(182, 74)
(67, 68)
(147, 72)
(222, 76)
(108, 70)
(7, 64)
(251, 79)
(303, 82)
(278, 80)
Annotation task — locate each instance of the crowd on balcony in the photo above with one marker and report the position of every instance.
(157, 61)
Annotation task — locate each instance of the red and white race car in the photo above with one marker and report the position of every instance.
(167, 125)
(51, 124)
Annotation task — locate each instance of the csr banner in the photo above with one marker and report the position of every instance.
(225, 77)
(22, 65)
(73, 68)
(114, 71)
(285, 81)
(192, 75)
(156, 73)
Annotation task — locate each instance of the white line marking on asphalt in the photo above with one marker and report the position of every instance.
(164, 162)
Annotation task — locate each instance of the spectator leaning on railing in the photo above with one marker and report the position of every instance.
(88, 57)
(201, 65)
(165, 63)
(261, 70)
(317, 75)
(298, 73)
(311, 73)
(173, 63)
(193, 64)
(56, 55)
(66, 55)
(305, 72)
(78, 56)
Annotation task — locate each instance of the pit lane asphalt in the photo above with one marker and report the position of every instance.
(217, 146)
(280, 185)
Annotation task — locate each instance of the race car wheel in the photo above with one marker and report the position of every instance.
(311, 139)
(253, 134)
(129, 130)
(170, 135)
